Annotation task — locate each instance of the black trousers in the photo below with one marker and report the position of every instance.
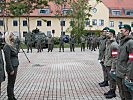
(123, 90)
(11, 83)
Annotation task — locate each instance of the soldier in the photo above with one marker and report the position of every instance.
(39, 46)
(12, 62)
(124, 69)
(82, 39)
(89, 42)
(61, 43)
(17, 43)
(50, 43)
(102, 48)
(94, 43)
(28, 40)
(110, 61)
(2, 71)
(72, 43)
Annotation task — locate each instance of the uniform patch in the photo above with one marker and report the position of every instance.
(114, 53)
(130, 56)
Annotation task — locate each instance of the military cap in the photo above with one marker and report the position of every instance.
(112, 31)
(126, 26)
(105, 28)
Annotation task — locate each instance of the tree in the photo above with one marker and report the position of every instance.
(25, 7)
(79, 12)
(4, 8)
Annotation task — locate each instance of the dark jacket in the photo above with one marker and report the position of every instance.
(125, 58)
(11, 58)
(2, 72)
(110, 58)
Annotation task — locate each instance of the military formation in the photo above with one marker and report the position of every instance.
(115, 57)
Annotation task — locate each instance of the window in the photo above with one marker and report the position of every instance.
(62, 23)
(15, 23)
(39, 23)
(131, 24)
(94, 22)
(44, 11)
(48, 23)
(116, 12)
(1, 23)
(120, 23)
(101, 22)
(129, 12)
(24, 22)
(111, 23)
(66, 11)
(48, 33)
(87, 22)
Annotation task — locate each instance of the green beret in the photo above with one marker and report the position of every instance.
(112, 31)
(106, 28)
(126, 26)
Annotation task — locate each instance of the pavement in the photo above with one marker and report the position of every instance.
(59, 76)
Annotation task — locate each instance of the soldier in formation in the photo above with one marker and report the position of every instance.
(39, 43)
(50, 43)
(89, 38)
(101, 57)
(28, 40)
(82, 40)
(61, 43)
(72, 44)
(111, 52)
(124, 69)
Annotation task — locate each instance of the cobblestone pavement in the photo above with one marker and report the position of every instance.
(59, 76)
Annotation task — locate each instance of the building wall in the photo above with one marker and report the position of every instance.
(102, 13)
(55, 25)
(123, 20)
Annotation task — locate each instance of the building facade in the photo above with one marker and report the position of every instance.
(108, 13)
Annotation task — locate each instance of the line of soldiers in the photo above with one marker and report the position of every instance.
(116, 59)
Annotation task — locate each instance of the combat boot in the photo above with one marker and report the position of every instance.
(101, 82)
(111, 94)
(104, 84)
(107, 93)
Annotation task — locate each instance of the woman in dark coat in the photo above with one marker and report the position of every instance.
(12, 62)
(2, 72)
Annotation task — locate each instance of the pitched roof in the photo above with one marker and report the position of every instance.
(119, 4)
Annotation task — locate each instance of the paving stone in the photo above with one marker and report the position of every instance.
(59, 76)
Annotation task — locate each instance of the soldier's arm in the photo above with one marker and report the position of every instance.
(129, 48)
(114, 54)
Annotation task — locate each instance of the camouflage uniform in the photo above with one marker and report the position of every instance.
(61, 44)
(124, 69)
(28, 40)
(72, 44)
(39, 44)
(50, 44)
(110, 63)
(82, 39)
